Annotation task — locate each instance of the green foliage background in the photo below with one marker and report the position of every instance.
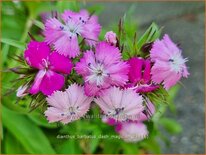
(24, 132)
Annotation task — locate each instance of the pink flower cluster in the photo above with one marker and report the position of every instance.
(117, 86)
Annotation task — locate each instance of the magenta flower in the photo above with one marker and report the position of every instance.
(49, 64)
(64, 36)
(132, 131)
(102, 69)
(121, 105)
(140, 75)
(67, 106)
(169, 65)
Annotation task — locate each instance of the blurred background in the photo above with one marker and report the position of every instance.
(180, 130)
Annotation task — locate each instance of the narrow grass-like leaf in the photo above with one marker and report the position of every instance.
(151, 34)
(26, 132)
(14, 43)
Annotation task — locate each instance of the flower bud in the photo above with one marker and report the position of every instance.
(110, 37)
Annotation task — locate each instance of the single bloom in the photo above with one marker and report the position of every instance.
(132, 131)
(111, 37)
(169, 65)
(140, 75)
(51, 66)
(102, 69)
(67, 106)
(145, 115)
(64, 36)
(120, 104)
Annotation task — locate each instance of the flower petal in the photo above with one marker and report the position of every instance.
(91, 31)
(76, 17)
(92, 89)
(69, 105)
(135, 72)
(67, 45)
(147, 71)
(82, 66)
(133, 132)
(37, 82)
(64, 41)
(51, 82)
(35, 53)
(60, 63)
(107, 54)
(53, 30)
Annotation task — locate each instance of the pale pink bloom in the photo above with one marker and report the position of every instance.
(22, 91)
(51, 66)
(120, 104)
(64, 36)
(102, 69)
(111, 37)
(67, 106)
(169, 65)
(145, 115)
(140, 75)
(132, 131)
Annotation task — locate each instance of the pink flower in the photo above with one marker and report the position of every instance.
(120, 105)
(145, 115)
(67, 106)
(64, 36)
(49, 64)
(140, 75)
(111, 37)
(102, 69)
(169, 65)
(132, 131)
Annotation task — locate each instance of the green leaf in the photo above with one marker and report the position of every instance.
(69, 146)
(12, 145)
(26, 132)
(111, 146)
(172, 126)
(67, 5)
(159, 96)
(40, 120)
(1, 130)
(36, 8)
(95, 142)
(129, 148)
(151, 34)
(14, 43)
(38, 24)
(5, 51)
(151, 145)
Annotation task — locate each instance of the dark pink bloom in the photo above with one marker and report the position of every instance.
(38, 55)
(140, 75)
(102, 69)
(64, 36)
(169, 65)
